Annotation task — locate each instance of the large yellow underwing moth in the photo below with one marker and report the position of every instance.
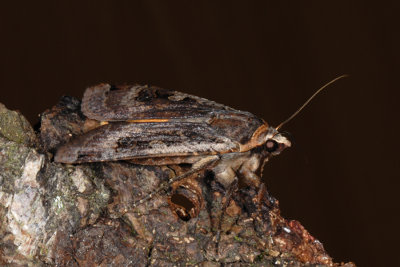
(153, 126)
(143, 122)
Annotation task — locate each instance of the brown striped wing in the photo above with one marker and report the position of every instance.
(173, 125)
(123, 141)
(136, 102)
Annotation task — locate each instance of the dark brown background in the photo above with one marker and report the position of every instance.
(341, 177)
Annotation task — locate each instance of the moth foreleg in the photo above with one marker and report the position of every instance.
(245, 165)
(249, 170)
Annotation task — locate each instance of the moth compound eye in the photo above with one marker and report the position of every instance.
(271, 145)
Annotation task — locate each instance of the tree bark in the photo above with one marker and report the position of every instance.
(86, 214)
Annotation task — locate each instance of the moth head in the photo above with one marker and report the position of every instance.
(275, 142)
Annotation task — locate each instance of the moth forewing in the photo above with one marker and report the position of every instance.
(217, 132)
(125, 141)
(104, 102)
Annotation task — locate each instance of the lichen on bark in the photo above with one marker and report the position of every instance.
(87, 214)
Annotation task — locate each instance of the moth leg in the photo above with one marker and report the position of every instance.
(205, 161)
(250, 178)
(231, 172)
(232, 188)
(201, 164)
(247, 172)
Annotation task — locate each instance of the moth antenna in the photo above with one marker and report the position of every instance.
(308, 100)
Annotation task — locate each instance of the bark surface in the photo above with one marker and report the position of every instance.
(54, 214)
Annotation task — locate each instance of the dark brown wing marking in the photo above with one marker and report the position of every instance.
(106, 103)
(122, 141)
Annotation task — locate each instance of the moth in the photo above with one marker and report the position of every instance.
(154, 126)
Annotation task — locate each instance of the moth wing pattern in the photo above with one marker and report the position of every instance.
(104, 102)
(145, 122)
(124, 141)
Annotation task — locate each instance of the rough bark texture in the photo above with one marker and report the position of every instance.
(84, 215)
